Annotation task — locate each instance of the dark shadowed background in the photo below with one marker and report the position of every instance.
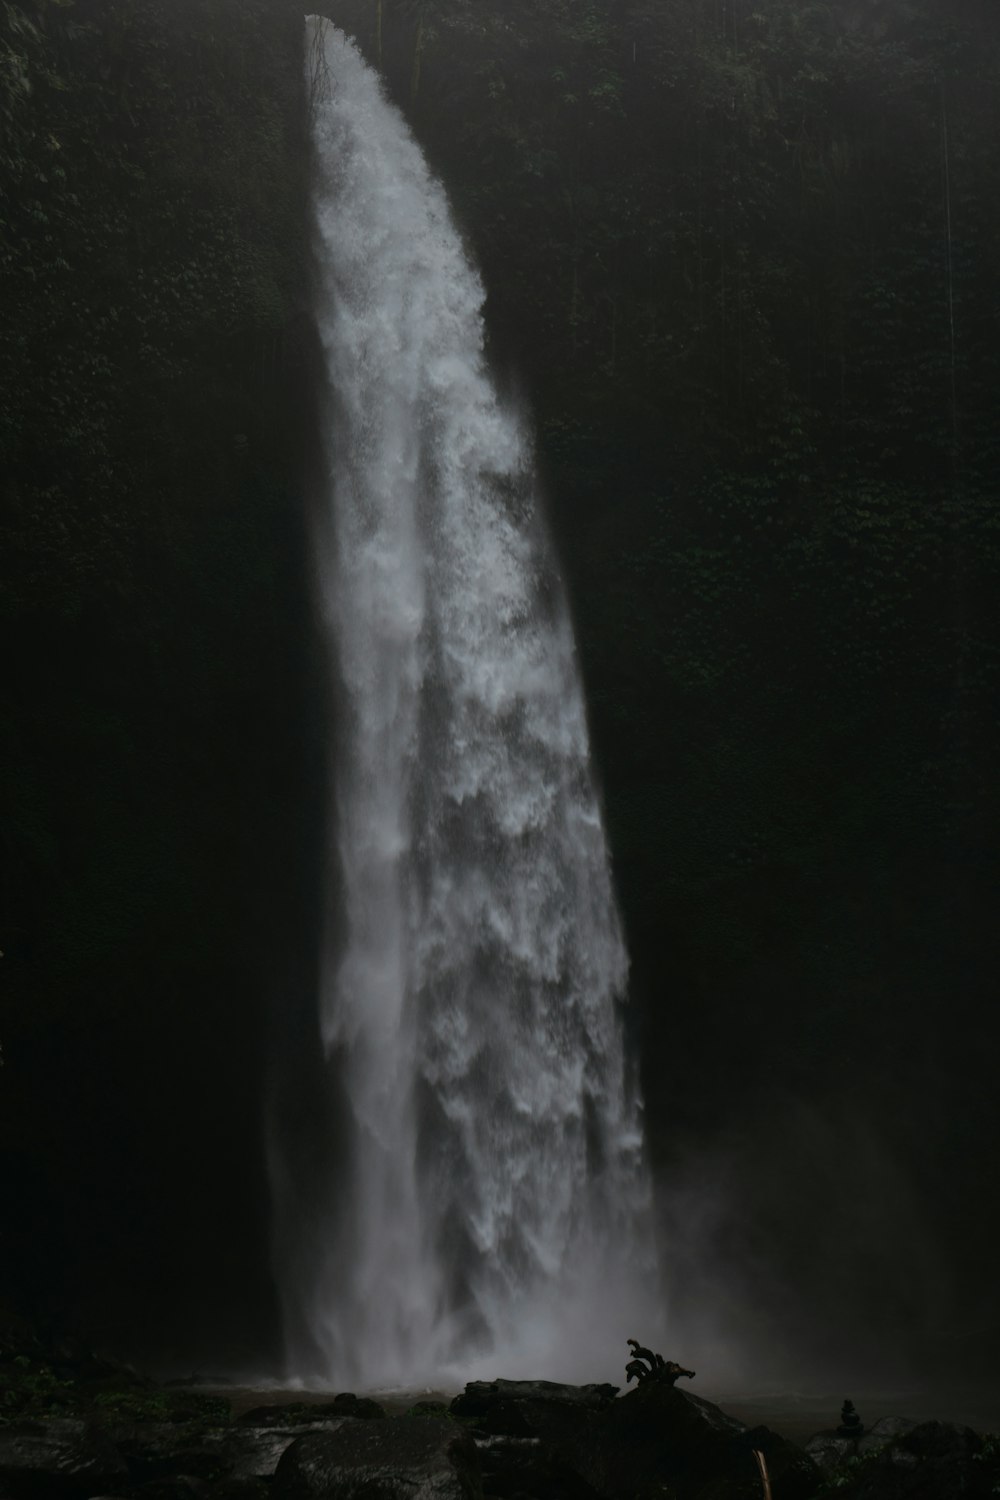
(742, 264)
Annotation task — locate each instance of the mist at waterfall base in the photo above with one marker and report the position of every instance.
(491, 1200)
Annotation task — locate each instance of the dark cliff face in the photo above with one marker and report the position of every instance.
(162, 752)
(743, 269)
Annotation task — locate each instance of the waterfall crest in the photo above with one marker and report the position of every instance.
(493, 1202)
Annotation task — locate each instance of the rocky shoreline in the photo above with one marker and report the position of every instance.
(82, 1428)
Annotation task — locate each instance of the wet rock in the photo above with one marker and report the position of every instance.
(932, 1461)
(733, 1473)
(565, 1418)
(438, 1409)
(563, 1422)
(160, 1450)
(157, 1450)
(678, 1417)
(349, 1405)
(938, 1441)
(254, 1452)
(829, 1452)
(615, 1447)
(657, 1442)
(240, 1489)
(176, 1487)
(482, 1397)
(885, 1430)
(55, 1457)
(519, 1468)
(658, 1435)
(833, 1453)
(412, 1458)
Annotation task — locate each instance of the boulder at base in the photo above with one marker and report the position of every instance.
(157, 1450)
(241, 1489)
(412, 1458)
(733, 1473)
(833, 1453)
(176, 1487)
(255, 1452)
(515, 1468)
(615, 1447)
(655, 1441)
(481, 1397)
(933, 1461)
(57, 1457)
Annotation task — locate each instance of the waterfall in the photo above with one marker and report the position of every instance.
(491, 1202)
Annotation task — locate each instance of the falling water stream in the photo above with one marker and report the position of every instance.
(492, 1207)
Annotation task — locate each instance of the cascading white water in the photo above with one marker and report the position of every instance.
(494, 1203)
